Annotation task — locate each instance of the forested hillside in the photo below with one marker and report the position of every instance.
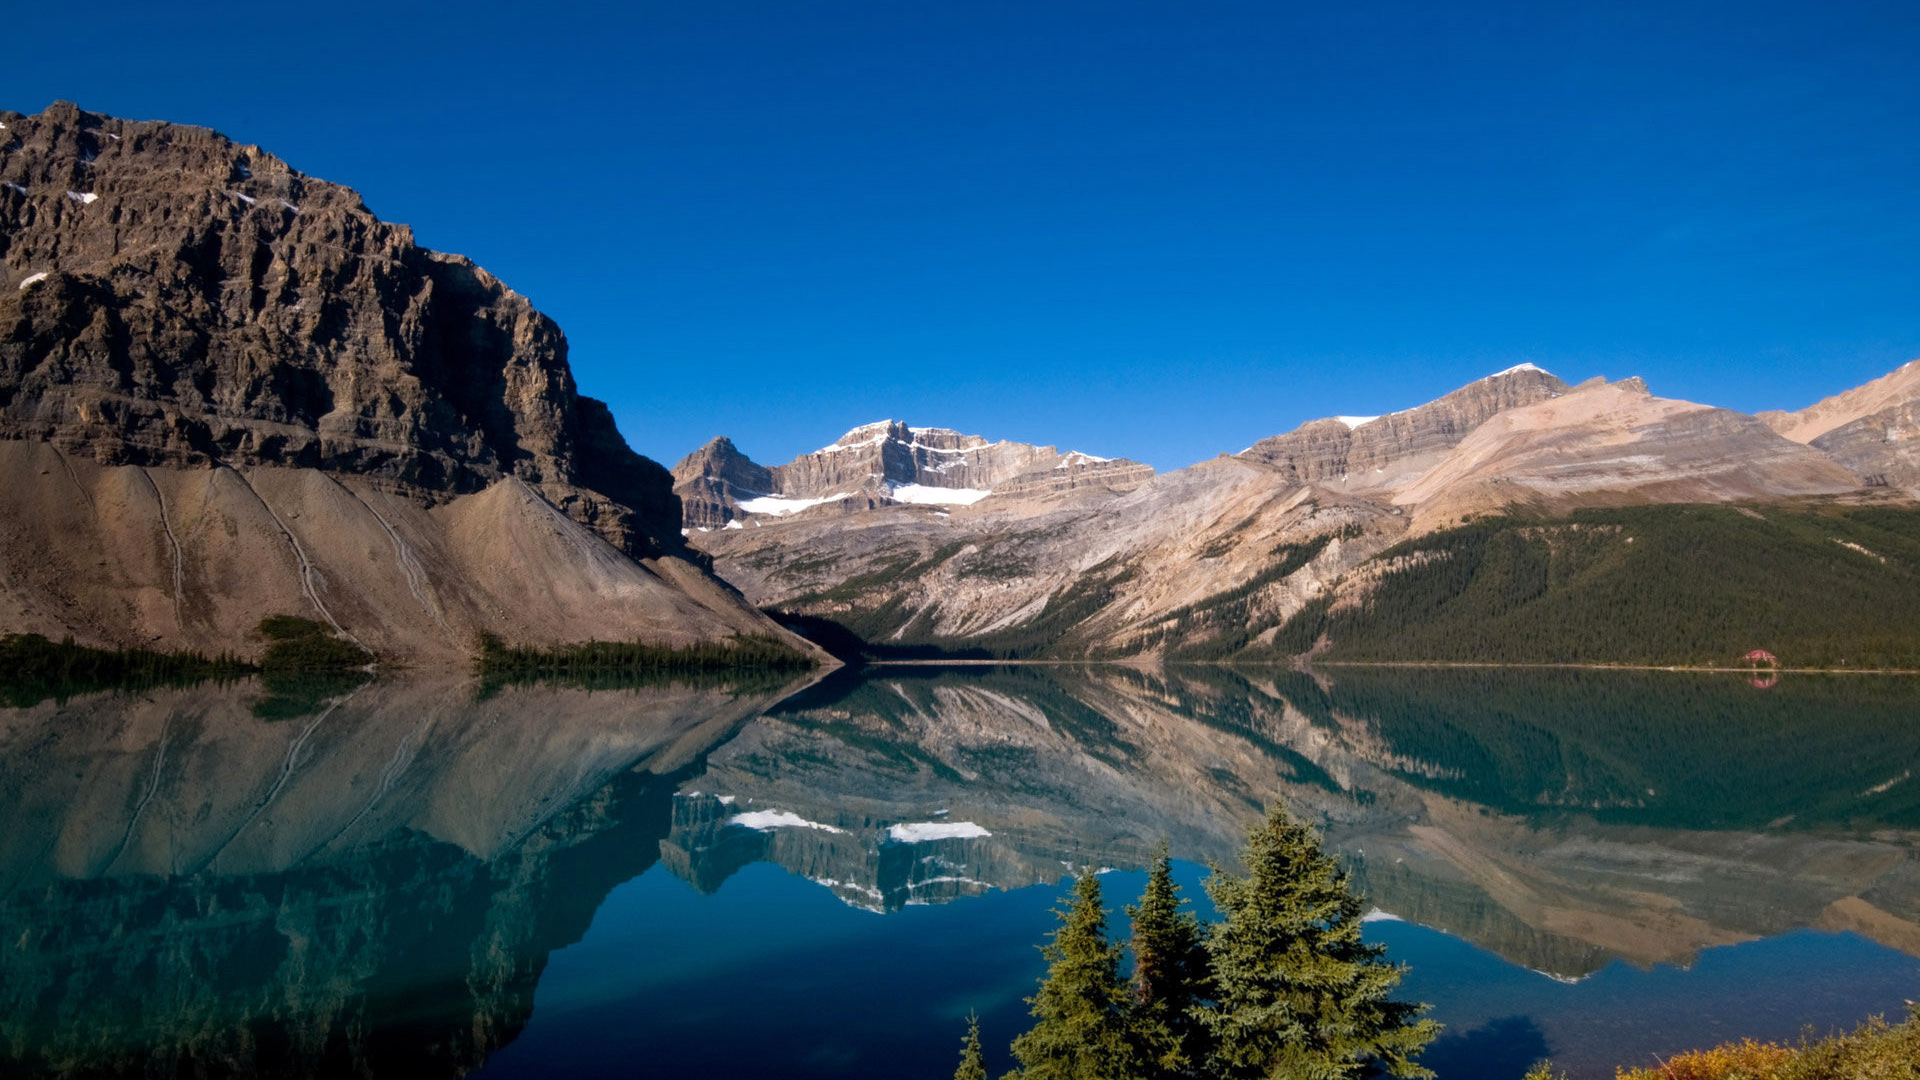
(1818, 585)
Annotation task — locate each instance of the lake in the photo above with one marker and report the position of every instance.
(428, 876)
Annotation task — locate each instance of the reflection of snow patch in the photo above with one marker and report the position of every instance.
(920, 831)
(762, 820)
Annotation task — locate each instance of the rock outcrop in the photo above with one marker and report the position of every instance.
(228, 389)
(1372, 452)
(1873, 429)
(1614, 442)
(885, 464)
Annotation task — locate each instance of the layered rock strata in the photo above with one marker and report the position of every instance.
(228, 389)
(886, 464)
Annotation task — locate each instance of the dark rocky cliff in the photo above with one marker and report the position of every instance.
(174, 298)
(228, 390)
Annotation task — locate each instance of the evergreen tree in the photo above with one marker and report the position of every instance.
(1297, 993)
(1169, 976)
(1080, 1010)
(972, 1065)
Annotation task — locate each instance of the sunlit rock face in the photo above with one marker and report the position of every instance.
(1872, 429)
(1181, 563)
(227, 390)
(1385, 451)
(886, 464)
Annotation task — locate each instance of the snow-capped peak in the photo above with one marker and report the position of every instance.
(1517, 368)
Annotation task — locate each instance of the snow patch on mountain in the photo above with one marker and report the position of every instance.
(936, 496)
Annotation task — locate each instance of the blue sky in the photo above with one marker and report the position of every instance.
(1152, 230)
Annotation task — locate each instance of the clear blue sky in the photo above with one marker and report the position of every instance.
(1153, 230)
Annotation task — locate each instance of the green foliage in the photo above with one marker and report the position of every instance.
(1080, 1011)
(1221, 625)
(740, 653)
(1170, 977)
(972, 1065)
(33, 668)
(1284, 986)
(298, 645)
(1297, 992)
(1818, 585)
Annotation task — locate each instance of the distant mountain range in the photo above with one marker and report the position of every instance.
(1280, 550)
(228, 391)
(885, 463)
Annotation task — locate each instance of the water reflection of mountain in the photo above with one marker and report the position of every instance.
(368, 888)
(1562, 819)
(371, 883)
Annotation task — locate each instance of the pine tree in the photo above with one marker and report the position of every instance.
(1080, 1010)
(972, 1065)
(1169, 976)
(1297, 993)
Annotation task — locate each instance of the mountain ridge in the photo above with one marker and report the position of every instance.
(1234, 548)
(228, 391)
(885, 463)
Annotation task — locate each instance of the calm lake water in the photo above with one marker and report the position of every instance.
(425, 877)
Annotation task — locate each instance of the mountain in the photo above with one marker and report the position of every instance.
(881, 464)
(1872, 429)
(1377, 452)
(229, 390)
(1217, 558)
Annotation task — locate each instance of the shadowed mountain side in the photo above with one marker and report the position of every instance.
(228, 389)
(917, 786)
(369, 889)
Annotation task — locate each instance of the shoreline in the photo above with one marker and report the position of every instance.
(1134, 663)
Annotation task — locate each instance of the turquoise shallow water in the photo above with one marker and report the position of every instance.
(425, 877)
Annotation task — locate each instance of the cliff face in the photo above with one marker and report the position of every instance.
(885, 464)
(1379, 451)
(189, 326)
(1873, 429)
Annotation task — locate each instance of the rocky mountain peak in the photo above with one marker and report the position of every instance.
(172, 297)
(1872, 429)
(885, 463)
(1382, 451)
(229, 391)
